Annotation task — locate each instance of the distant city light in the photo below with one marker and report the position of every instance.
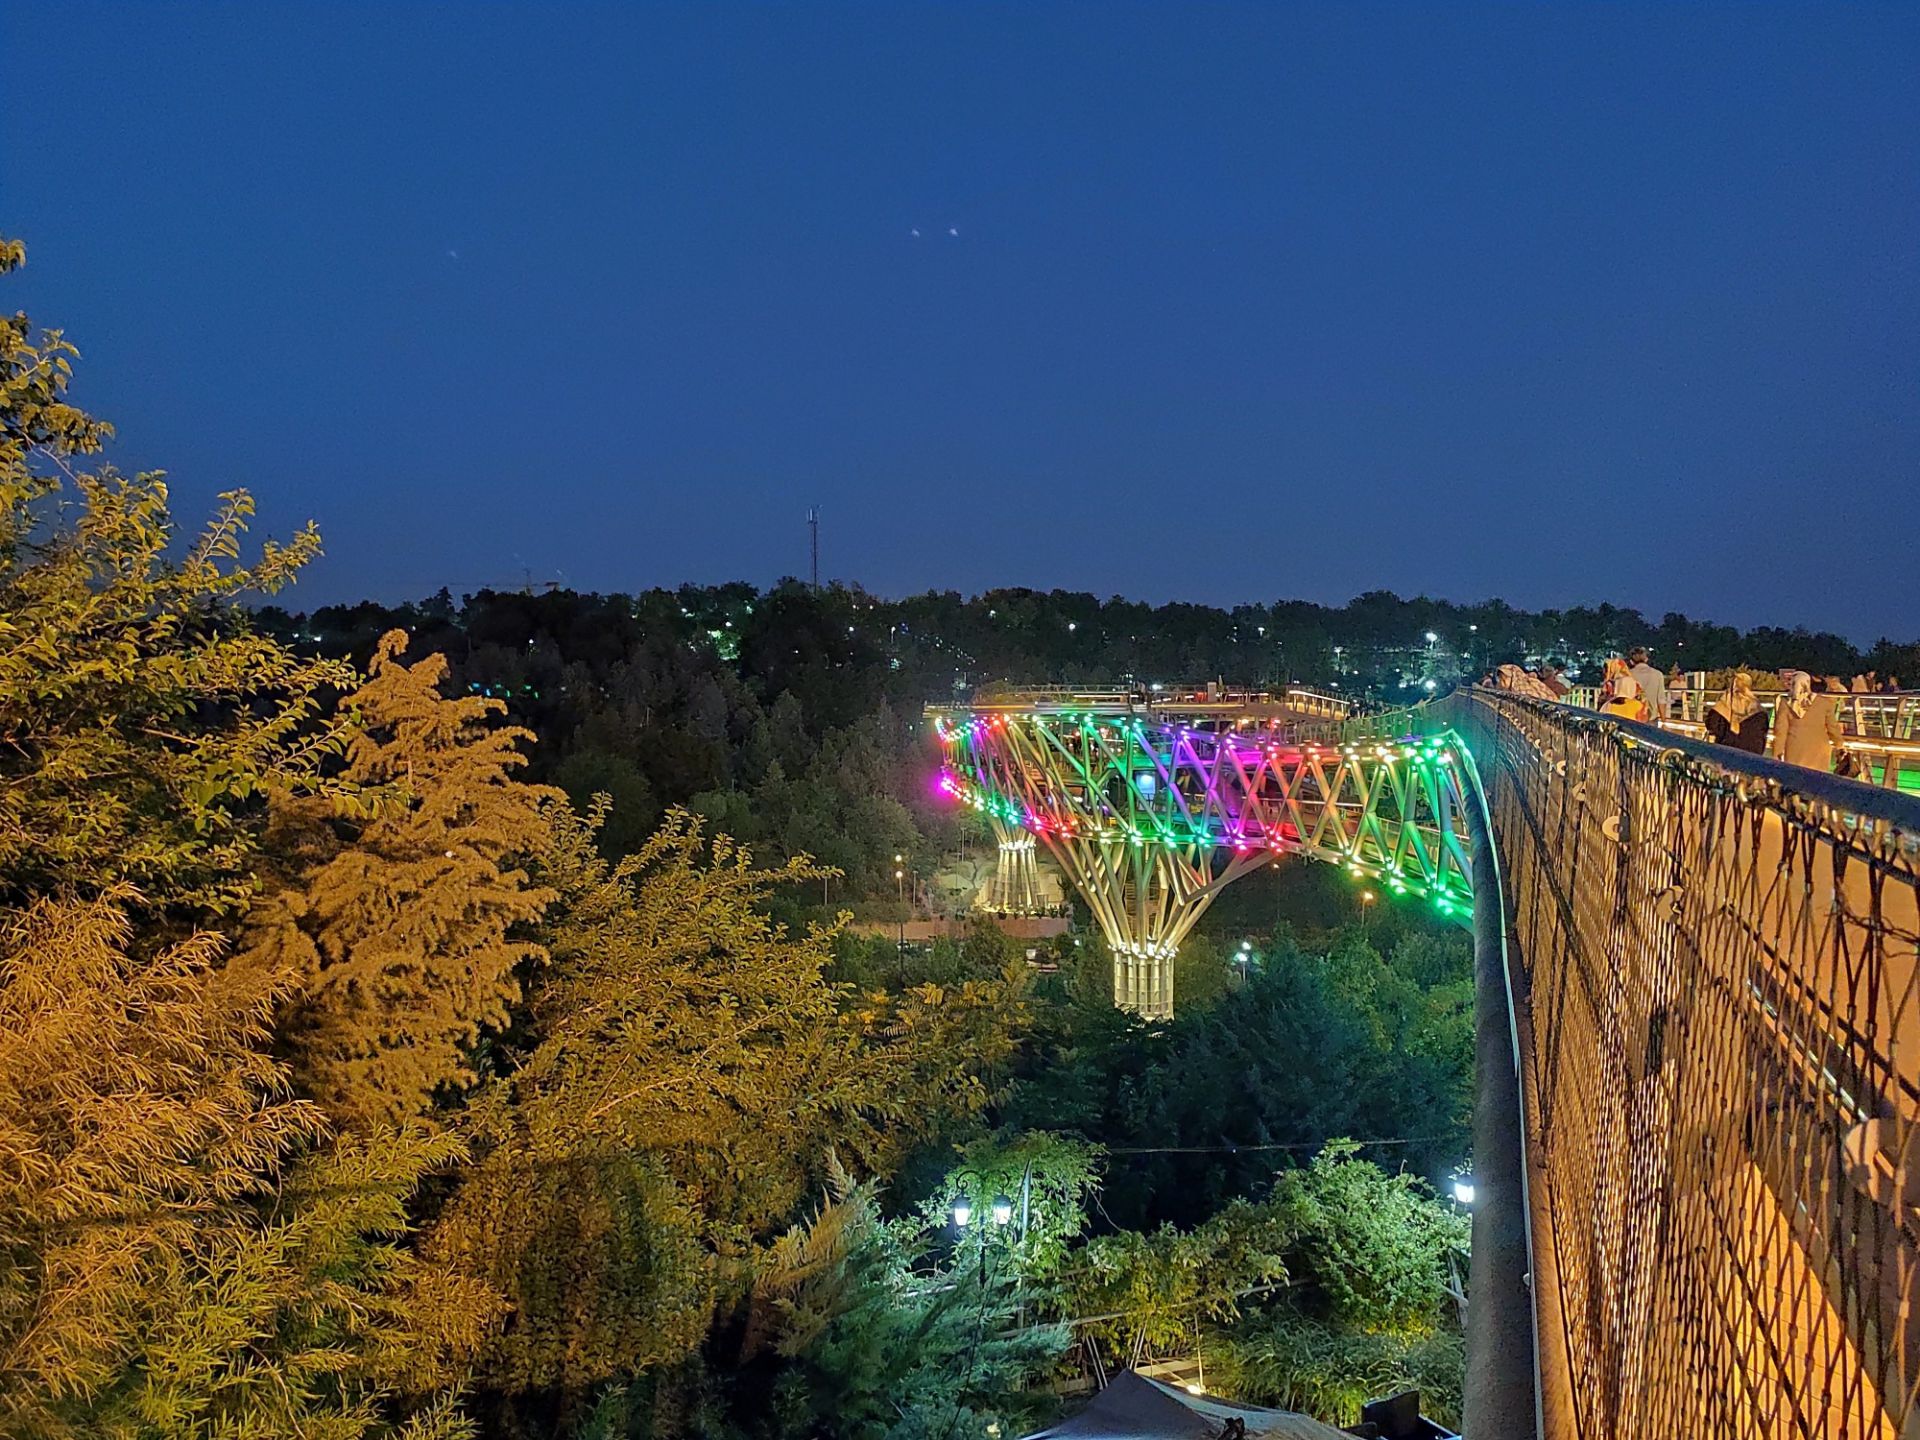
(1431, 637)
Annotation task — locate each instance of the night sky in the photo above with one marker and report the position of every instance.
(1215, 303)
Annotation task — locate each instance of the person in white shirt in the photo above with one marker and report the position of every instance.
(1653, 684)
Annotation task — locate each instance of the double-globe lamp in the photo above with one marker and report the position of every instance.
(1000, 1211)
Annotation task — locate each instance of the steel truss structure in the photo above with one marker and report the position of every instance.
(1150, 819)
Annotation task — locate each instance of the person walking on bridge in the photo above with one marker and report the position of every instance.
(1738, 719)
(1652, 683)
(1805, 727)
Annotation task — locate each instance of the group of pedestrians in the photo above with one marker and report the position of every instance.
(1804, 728)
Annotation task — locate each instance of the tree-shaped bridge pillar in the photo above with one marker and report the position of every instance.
(1015, 888)
(1145, 897)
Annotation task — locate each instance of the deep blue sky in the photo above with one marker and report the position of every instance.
(1561, 304)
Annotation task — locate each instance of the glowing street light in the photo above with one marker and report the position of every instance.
(1463, 1190)
(963, 1212)
(1002, 1210)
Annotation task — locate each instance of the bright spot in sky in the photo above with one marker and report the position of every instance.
(915, 234)
(453, 254)
(953, 230)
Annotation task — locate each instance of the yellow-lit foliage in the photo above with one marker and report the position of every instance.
(399, 927)
(692, 1057)
(166, 1268)
(140, 717)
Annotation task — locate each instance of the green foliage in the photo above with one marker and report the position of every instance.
(1349, 1042)
(1299, 1362)
(1376, 1245)
(1047, 1181)
(632, 813)
(985, 954)
(1201, 974)
(887, 1338)
(401, 919)
(1139, 1292)
(1369, 1312)
(143, 719)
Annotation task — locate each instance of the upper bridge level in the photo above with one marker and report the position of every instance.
(1209, 706)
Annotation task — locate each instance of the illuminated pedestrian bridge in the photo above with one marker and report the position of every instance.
(1150, 815)
(1697, 979)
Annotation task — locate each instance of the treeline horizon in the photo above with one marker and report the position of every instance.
(938, 638)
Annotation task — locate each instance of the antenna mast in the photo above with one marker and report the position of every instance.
(813, 535)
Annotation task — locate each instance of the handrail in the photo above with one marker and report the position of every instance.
(1715, 962)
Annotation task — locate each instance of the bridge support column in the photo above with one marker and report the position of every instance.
(1145, 897)
(1143, 977)
(1015, 889)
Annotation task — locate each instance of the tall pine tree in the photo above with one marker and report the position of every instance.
(401, 921)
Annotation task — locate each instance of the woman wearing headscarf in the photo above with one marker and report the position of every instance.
(1805, 727)
(1620, 692)
(1737, 718)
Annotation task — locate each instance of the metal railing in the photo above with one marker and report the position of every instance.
(1713, 965)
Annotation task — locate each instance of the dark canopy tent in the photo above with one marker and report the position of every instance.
(1135, 1408)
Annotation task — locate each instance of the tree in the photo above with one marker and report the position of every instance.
(889, 1339)
(401, 921)
(1310, 1047)
(1142, 1292)
(1376, 1245)
(163, 1272)
(687, 1057)
(141, 716)
(1372, 1256)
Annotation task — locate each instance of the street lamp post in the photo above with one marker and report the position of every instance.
(900, 887)
(1000, 1212)
(1367, 897)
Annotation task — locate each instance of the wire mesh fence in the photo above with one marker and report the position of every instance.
(1715, 963)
